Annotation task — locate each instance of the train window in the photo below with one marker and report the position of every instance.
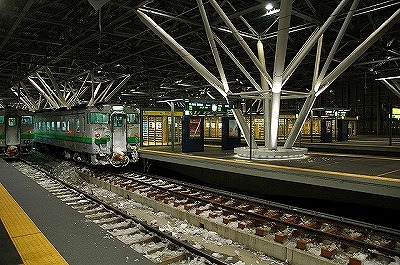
(12, 122)
(77, 125)
(133, 118)
(63, 126)
(1, 119)
(27, 120)
(58, 126)
(117, 121)
(68, 126)
(52, 125)
(98, 118)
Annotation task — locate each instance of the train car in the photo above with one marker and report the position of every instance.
(133, 125)
(16, 132)
(95, 135)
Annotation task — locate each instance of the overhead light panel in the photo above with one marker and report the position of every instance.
(389, 78)
(272, 11)
(269, 6)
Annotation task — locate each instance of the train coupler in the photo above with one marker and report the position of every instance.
(12, 151)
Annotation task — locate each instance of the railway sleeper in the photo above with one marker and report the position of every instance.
(156, 244)
(59, 191)
(109, 220)
(284, 249)
(167, 256)
(72, 198)
(125, 231)
(119, 225)
(90, 208)
(62, 195)
(78, 202)
(100, 214)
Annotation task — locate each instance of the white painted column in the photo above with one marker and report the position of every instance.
(279, 65)
(267, 100)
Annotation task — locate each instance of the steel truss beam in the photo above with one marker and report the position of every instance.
(241, 41)
(48, 97)
(322, 85)
(217, 84)
(395, 90)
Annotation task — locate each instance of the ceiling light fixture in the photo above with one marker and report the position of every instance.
(388, 78)
(272, 11)
(269, 6)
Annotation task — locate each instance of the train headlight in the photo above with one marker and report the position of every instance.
(30, 132)
(97, 135)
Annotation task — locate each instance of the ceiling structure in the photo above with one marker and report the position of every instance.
(71, 47)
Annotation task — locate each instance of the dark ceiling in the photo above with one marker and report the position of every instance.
(77, 43)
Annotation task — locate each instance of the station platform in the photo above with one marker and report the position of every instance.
(38, 228)
(359, 179)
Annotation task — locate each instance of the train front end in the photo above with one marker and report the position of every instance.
(16, 133)
(113, 142)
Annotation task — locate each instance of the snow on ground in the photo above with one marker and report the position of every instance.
(199, 237)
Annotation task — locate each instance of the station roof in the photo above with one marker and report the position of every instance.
(80, 44)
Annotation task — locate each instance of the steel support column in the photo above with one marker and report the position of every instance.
(117, 88)
(77, 94)
(392, 20)
(391, 87)
(308, 104)
(310, 42)
(94, 94)
(241, 41)
(49, 100)
(102, 95)
(48, 90)
(279, 65)
(243, 128)
(211, 79)
(28, 97)
(238, 64)
(267, 100)
(337, 42)
(60, 96)
(213, 46)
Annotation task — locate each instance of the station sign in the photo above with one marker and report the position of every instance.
(340, 113)
(396, 113)
(207, 107)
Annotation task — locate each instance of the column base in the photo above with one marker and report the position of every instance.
(264, 153)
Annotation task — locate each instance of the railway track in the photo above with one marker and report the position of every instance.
(158, 246)
(333, 235)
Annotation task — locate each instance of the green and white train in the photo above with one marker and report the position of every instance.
(99, 135)
(16, 132)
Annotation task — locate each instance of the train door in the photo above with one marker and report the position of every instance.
(118, 133)
(12, 131)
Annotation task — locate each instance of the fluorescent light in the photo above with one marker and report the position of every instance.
(269, 6)
(211, 96)
(272, 11)
(390, 77)
(170, 100)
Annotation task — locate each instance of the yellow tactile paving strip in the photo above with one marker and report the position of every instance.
(33, 247)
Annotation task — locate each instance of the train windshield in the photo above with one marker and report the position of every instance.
(133, 118)
(27, 120)
(12, 122)
(1, 119)
(118, 121)
(99, 118)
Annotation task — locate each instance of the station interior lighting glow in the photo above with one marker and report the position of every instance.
(269, 6)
